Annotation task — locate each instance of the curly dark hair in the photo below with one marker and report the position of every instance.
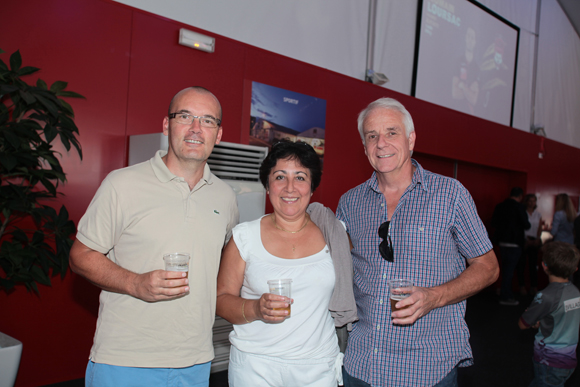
(300, 151)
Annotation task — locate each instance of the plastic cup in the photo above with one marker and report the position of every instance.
(281, 287)
(177, 262)
(399, 289)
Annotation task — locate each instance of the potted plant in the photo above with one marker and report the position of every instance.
(34, 237)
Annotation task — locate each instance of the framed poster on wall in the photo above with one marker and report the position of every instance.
(283, 114)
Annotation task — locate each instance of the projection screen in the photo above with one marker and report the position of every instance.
(465, 59)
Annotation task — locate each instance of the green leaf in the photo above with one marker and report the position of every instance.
(12, 139)
(71, 94)
(27, 70)
(32, 286)
(41, 84)
(6, 284)
(58, 86)
(15, 61)
(38, 237)
(66, 107)
(62, 216)
(48, 104)
(7, 161)
(7, 89)
(27, 97)
(65, 141)
(50, 133)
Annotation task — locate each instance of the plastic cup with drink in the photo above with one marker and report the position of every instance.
(399, 289)
(177, 262)
(281, 287)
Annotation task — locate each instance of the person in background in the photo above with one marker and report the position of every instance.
(155, 326)
(510, 221)
(271, 344)
(563, 222)
(532, 245)
(556, 312)
(406, 222)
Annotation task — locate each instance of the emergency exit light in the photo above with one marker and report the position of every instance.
(197, 41)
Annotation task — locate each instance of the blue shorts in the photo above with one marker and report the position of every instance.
(105, 375)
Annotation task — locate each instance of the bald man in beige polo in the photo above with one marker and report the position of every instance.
(155, 326)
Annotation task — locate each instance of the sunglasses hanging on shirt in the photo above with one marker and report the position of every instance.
(386, 246)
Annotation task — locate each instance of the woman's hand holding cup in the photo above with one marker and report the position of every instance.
(272, 308)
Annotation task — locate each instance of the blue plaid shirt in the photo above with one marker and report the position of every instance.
(434, 227)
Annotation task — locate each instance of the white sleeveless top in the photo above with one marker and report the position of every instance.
(309, 332)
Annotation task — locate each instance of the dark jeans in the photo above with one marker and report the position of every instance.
(448, 381)
(546, 376)
(529, 258)
(509, 260)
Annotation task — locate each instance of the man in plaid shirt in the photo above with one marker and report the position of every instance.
(406, 222)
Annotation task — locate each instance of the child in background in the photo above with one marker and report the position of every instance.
(556, 311)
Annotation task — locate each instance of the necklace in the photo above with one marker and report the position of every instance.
(291, 232)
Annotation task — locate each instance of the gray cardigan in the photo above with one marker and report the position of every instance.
(342, 304)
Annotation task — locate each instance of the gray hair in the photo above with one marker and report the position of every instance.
(389, 104)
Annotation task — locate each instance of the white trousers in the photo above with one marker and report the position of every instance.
(264, 371)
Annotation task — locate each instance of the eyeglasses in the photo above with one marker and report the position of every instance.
(386, 246)
(204, 121)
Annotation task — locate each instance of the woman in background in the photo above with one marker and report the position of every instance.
(563, 223)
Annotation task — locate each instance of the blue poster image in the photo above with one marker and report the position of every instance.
(282, 114)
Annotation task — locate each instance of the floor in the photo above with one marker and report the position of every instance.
(502, 352)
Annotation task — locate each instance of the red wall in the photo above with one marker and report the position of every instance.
(128, 65)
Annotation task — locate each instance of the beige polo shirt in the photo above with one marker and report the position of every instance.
(138, 214)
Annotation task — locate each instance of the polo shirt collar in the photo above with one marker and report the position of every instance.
(418, 179)
(164, 174)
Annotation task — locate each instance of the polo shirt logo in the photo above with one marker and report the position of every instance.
(572, 304)
(216, 212)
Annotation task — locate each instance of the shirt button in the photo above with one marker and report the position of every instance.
(381, 301)
(376, 350)
(378, 327)
(382, 204)
(384, 276)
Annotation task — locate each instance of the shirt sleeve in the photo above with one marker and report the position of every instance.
(240, 235)
(540, 307)
(102, 224)
(234, 220)
(468, 230)
(341, 212)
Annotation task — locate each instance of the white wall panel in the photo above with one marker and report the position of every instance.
(558, 81)
(395, 43)
(522, 13)
(524, 81)
(328, 33)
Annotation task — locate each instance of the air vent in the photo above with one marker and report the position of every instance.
(236, 161)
